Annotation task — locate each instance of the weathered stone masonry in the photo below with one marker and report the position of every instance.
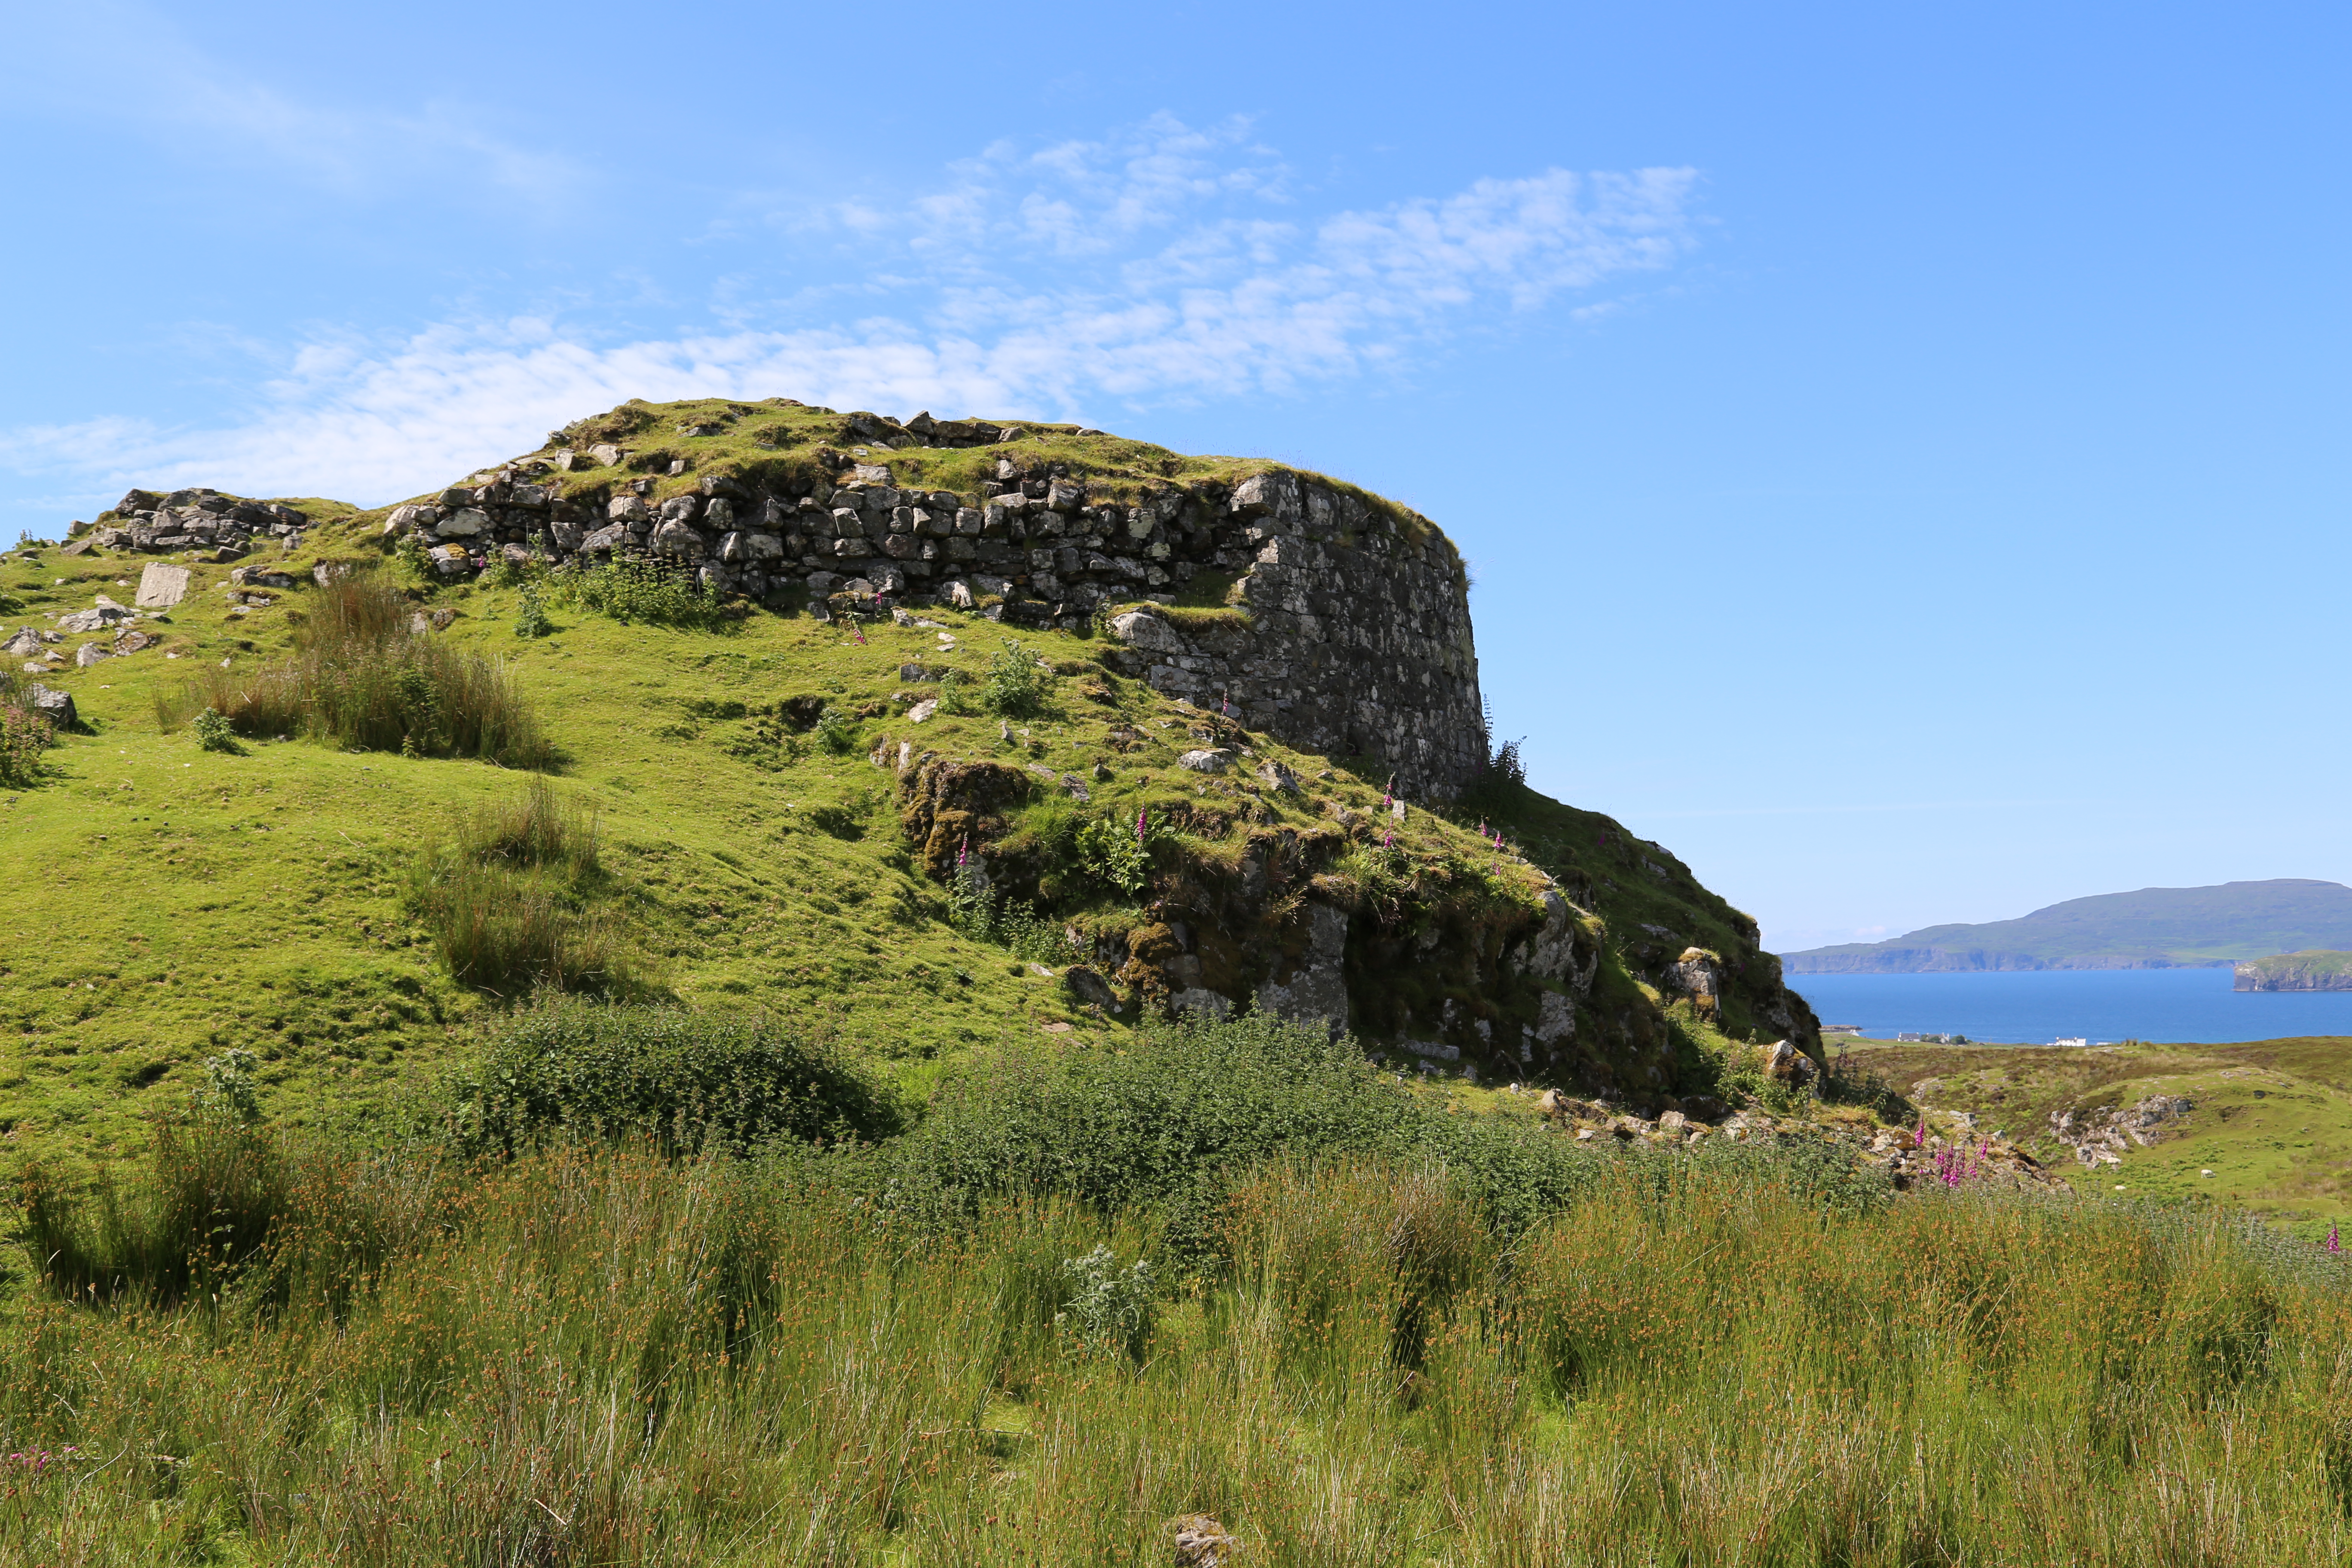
(1356, 643)
(1349, 632)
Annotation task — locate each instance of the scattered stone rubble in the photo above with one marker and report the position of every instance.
(2102, 1136)
(1950, 1153)
(223, 526)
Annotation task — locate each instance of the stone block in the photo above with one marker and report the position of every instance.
(162, 586)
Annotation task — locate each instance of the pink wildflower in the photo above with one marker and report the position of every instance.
(2332, 1243)
(1142, 824)
(1920, 1137)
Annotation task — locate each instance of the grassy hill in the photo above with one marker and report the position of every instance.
(172, 901)
(2155, 927)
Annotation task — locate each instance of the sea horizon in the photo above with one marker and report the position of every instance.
(2042, 1006)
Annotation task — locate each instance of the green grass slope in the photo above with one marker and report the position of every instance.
(2272, 1119)
(2154, 927)
(165, 902)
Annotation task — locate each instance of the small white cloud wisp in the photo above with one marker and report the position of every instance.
(1163, 265)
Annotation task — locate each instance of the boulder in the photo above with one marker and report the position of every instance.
(26, 644)
(1214, 760)
(1201, 1543)
(131, 642)
(607, 456)
(1279, 777)
(56, 706)
(259, 577)
(104, 616)
(1090, 988)
(626, 509)
(957, 595)
(330, 572)
(613, 536)
(677, 539)
(1138, 628)
(1555, 1020)
(403, 519)
(89, 653)
(162, 586)
(468, 524)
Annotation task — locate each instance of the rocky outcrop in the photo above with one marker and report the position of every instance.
(2295, 972)
(224, 526)
(2103, 1134)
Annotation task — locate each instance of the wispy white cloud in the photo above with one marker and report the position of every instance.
(188, 101)
(1162, 264)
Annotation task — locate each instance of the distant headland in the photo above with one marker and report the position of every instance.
(2155, 928)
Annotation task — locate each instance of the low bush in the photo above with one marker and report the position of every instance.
(24, 736)
(213, 731)
(1192, 1105)
(632, 588)
(836, 731)
(1018, 682)
(683, 1080)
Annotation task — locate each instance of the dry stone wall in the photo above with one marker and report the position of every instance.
(1347, 631)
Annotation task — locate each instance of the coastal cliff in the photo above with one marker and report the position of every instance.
(2318, 970)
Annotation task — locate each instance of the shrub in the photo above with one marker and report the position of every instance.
(361, 678)
(1194, 1106)
(686, 1080)
(231, 1089)
(1110, 1309)
(1171, 1122)
(1018, 682)
(24, 736)
(955, 692)
(531, 616)
(213, 731)
(836, 731)
(630, 588)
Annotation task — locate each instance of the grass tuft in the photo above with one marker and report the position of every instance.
(360, 677)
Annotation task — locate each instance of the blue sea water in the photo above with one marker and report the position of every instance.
(2037, 1006)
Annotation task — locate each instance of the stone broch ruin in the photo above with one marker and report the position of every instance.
(1349, 631)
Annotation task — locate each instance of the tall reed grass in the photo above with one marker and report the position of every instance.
(597, 1356)
(509, 896)
(361, 678)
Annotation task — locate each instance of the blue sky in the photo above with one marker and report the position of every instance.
(1900, 448)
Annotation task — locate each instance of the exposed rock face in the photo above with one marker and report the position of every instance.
(1314, 989)
(2103, 1135)
(2295, 972)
